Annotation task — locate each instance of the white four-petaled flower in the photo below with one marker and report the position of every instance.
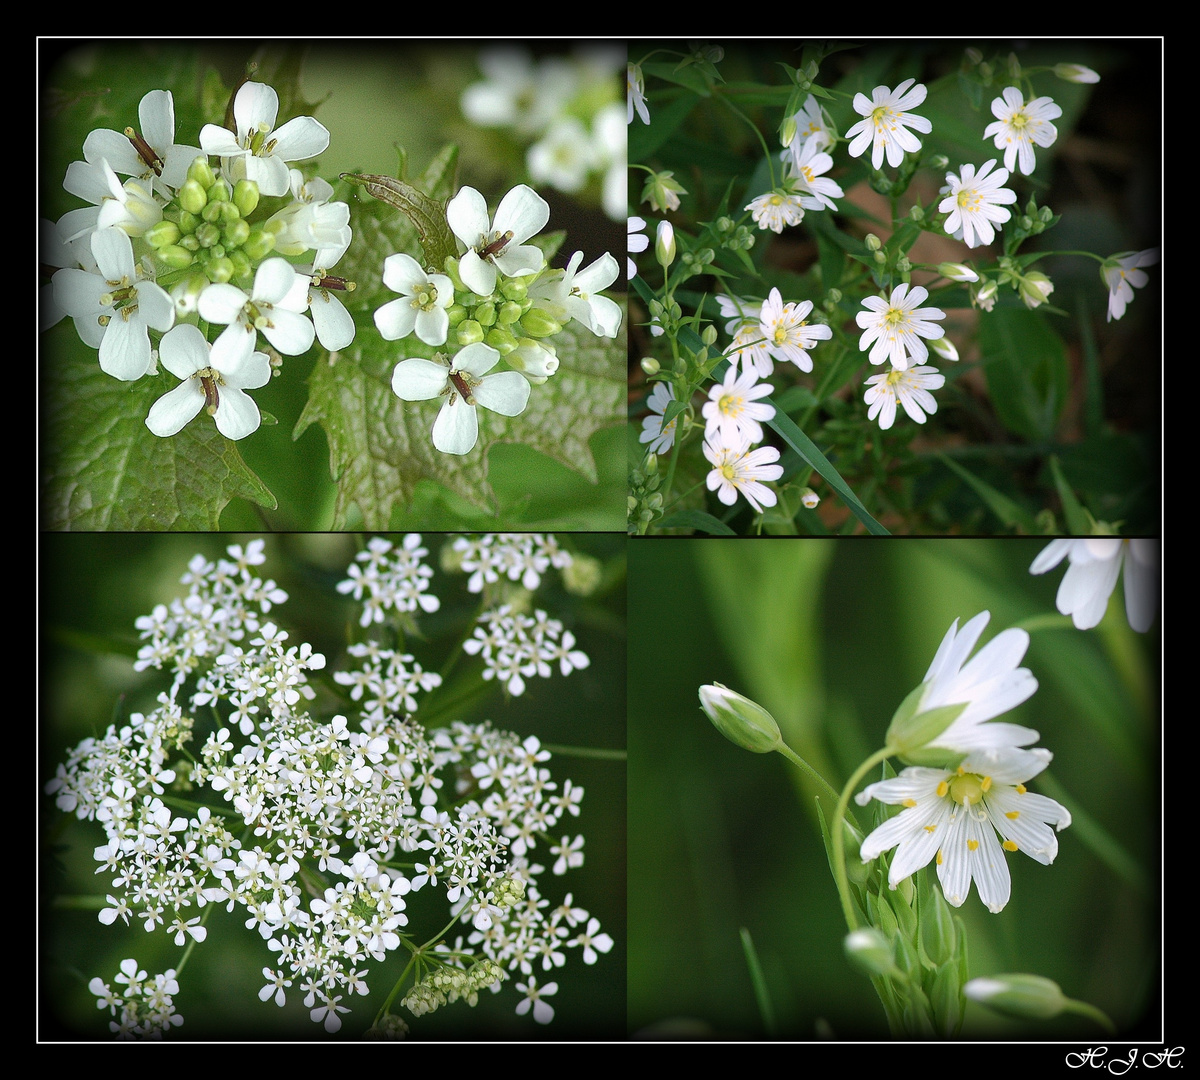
(465, 383)
(274, 306)
(497, 244)
(423, 301)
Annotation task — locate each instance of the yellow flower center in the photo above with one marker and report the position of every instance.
(966, 789)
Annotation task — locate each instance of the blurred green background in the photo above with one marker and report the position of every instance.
(95, 586)
(830, 636)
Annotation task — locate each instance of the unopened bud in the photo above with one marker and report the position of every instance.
(742, 721)
(870, 950)
(1076, 73)
(1023, 996)
(664, 244)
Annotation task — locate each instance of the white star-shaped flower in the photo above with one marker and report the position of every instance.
(975, 202)
(465, 383)
(886, 121)
(497, 245)
(965, 819)
(1122, 274)
(893, 328)
(907, 387)
(1019, 125)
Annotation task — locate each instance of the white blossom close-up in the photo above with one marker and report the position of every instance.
(1094, 564)
(886, 122)
(976, 202)
(893, 328)
(497, 245)
(1020, 125)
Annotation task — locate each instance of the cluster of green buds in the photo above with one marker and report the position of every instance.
(733, 236)
(206, 229)
(448, 984)
(645, 501)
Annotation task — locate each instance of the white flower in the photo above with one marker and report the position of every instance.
(733, 408)
(257, 151)
(151, 154)
(274, 306)
(886, 121)
(563, 157)
(660, 439)
(576, 293)
(214, 378)
(638, 242)
(908, 387)
(989, 684)
(1123, 274)
(310, 222)
(516, 92)
(465, 383)
(1018, 125)
(787, 331)
(113, 310)
(954, 816)
(735, 467)
(974, 201)
(897, 325)
(816, 191)
(812, 125)
(333, 324)
(543, 1012)
(776, 209)
(635, 92)
(497, 244)
(423, 301)
(1095, 563)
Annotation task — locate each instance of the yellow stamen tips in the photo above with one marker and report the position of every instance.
(943, 789)
(1019, 120)
(1010, 845)
(987, 783)
(1021, 789)
(930, 828)
(895, 316)
(939, 857)
(972, 845)
(910, 802)
(1012, 815)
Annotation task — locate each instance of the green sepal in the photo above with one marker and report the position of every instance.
(946, 996)
(911, 729)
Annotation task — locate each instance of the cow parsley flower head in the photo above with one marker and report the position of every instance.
(893, 328)
(965, 820)
(886, 122)
(975, 203)
(464, 381)
(1095, 563)
(1019, 125)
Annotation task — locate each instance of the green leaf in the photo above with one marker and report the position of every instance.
(103, 469)
(696, 519)
(1010, 513)
(1026, 368)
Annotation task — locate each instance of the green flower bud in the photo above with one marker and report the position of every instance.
(501, 340)
(1076, 73)
(468, 332)
(245, 197)
(190, 243)
(1020, 995)
(868, 949)
(514, 289)
(740, 720)
(208, 234)
(664, 244)
(243, 268)
(259, 245)
(873, 242)
(957, 271)
(237, 233)
(536, 323)
(709, 335)
(456, 313)
(174, 256)
(1035, 289)
(220, 191)
(650, 366)
(162, 233)
(939, 938)
(485, 314)
(212, 211)
(220, 270)
(201, 171)
(192, 196)
(509, 312)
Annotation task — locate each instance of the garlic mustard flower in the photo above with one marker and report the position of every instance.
(1122, 274)
(907, 387)
(886, 121)
(257, 150)
(1095, 563)
(465, 383)
(660, 438)
(787, 332)
(635, 91)
(274, 306)
(735, 467)
(112, 309)
(965, 819)
(576, 294)
(150, 154)
(498, 244)
(975, 203)
(423, 301)
(1019, 125)
(776, 209)
(214, 378)
(733, 406)
(893, 328)
(990, 683)
(638, 242)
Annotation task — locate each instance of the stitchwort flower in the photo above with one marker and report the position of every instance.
(1095, 562)
(1122, 274)
(893, 328)
(1019, 125)
(975, 203)
(886, 122)
(737, 468)
(907, 387)
(965, 819)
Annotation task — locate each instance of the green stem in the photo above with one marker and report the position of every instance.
(839, 840)
(1082, 1008)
